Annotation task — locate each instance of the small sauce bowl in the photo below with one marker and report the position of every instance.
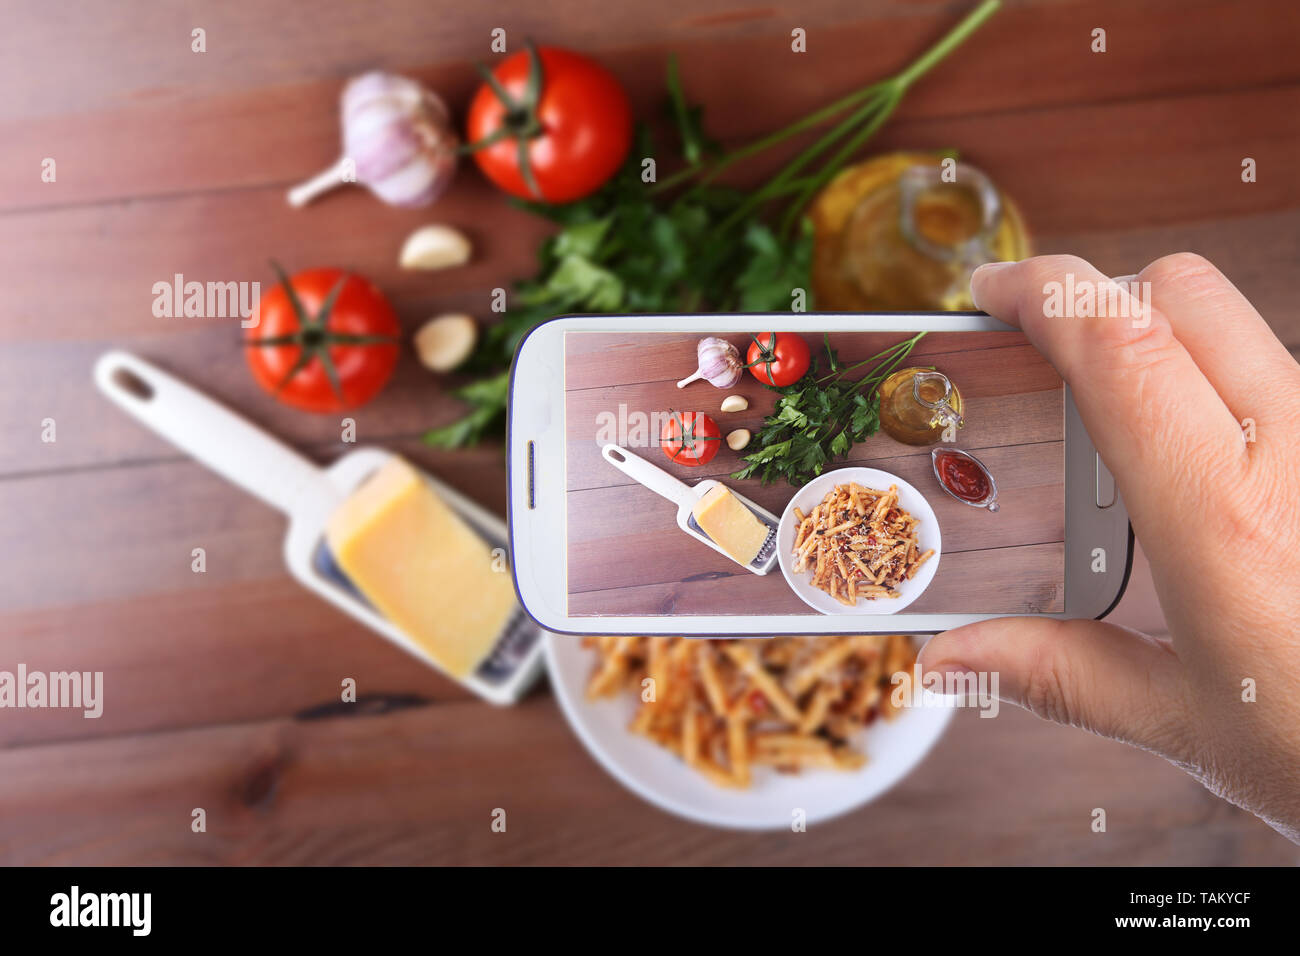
(965, 477)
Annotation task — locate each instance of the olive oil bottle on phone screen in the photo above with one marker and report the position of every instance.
(917, 405)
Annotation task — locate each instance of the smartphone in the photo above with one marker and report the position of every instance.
(601, 547)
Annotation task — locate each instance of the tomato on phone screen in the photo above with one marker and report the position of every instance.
(690, 438)
(778, 358)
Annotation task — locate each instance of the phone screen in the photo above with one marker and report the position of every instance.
(627, 553)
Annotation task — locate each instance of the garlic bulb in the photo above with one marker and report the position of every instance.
(719, 363)
(397, 140)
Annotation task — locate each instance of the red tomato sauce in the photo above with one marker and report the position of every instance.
(964, 478)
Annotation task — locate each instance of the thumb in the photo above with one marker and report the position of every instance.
(1101, 677)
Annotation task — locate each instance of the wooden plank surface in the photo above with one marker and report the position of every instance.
(244, 115)
(628, 557)
(171, 161)
(420, 785)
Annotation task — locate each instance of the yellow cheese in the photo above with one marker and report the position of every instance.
(732, 526)
(422, 567)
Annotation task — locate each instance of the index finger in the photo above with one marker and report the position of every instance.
(1151, 413)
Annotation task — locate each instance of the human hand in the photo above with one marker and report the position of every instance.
(1218, 516)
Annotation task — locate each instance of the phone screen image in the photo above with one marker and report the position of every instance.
(627, 554)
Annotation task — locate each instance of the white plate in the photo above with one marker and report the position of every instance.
(657, 776)
(909, 499)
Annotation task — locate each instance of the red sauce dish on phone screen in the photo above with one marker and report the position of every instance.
(964, 477)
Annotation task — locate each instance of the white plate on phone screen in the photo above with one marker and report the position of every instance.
(909, 499)
(893, 747)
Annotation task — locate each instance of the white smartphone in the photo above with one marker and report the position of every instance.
(618, 525)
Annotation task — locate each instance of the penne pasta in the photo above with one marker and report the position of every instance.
(787, 704)
(860, 543)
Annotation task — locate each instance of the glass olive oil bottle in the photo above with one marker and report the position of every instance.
(918, 404)
(904, 231)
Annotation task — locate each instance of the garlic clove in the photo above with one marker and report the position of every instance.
(446, 341)
(735, 403)
(738, 439)
(434, 247)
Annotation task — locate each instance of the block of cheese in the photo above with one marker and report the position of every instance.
(422, 567)
(732, 526)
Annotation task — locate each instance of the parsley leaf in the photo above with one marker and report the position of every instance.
(628, 249)
(820, 417)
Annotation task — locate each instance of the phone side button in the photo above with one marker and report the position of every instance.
(1105, 485)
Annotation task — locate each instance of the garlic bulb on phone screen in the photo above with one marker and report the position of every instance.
(719, 363)
(397, 141)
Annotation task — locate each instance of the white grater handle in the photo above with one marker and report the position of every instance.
(652, 476)
(228, 444)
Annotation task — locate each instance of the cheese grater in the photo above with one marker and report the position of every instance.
(685, 496)
(260, 464)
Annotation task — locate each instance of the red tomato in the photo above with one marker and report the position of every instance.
(577, 135)
(690, 438)
(778, 358)
(344, 354)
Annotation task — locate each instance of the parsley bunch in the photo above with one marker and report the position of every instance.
(820, 417)
(685, 243)
(624, 249)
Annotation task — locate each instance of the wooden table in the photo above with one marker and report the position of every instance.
(222, 688)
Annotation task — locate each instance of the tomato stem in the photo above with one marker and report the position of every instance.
(766, 355)
(520, 121)
(313, 337)
(688, 435)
